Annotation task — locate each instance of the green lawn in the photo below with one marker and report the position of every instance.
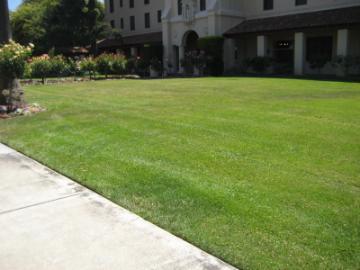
(264, 173)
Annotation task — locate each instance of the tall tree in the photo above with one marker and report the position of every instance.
(59, 23)
(11, 84)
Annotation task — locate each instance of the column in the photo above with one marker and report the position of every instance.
(342, 42)
(299, 53)
(342, 48)
(261, 46)
(168, 50)
(229, 53)
(133, 51)
(181, 56)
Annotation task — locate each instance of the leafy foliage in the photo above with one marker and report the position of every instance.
(259, 64)
(13, 58)
(59, 23)
(40, 67)
(88, 65)
(213, 48)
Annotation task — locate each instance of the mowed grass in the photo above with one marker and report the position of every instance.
(263, 173)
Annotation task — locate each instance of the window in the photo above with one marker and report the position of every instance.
(268, 4)
(121, 3)
(131, 3)
(146, 2)
(179, 6)
(132, 23)
(319, 48)
(112, 23)
(122, 23)
(111, 6)
(300, 2)
(202, 5)
(147, 20)
(159, 16)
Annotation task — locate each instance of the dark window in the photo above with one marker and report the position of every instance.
(121, 3)
(179, 6)
(147, 20)
(111, 6)
(319, 48)
(268, 4)
(122, 23)
(132, 23)
(112, 23)
(159, 16)
(131, 3)
(202, 5)
(146, 2)
(300, 2)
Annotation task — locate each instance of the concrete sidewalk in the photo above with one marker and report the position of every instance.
(48, 221)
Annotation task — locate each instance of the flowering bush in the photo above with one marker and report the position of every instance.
(104, 64)
(119, 64)
(40, 67)
(59, 66)
(88, 65)
(110, 64)
(13, 57)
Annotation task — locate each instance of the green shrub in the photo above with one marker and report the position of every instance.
(142, 66)
(40, 67)
(130, 65)
(212, 45)
(137, 65)
(213, 48)
(104, 63)
(13, 57)
(73, 67)
(88, 66)
(259, 64)
(59, 66)
(119, 64)
(344, 63)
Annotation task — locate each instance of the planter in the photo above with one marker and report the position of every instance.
(154, 73)
(196, 71)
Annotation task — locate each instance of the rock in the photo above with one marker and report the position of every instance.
(3, 109)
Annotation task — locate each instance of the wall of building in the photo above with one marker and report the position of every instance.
(254, 8)
(138, 11)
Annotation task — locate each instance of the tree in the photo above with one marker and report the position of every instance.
(27, 23)
(10, 84)
(59, 23)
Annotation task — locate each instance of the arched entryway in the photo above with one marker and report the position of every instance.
(189, 41)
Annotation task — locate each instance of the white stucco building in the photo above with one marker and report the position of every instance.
(292, 32)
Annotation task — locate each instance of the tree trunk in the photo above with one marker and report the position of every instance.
(11, 84)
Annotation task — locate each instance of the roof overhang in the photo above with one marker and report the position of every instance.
(345, 17)
(135, 40)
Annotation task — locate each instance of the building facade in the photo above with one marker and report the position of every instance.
(301, 36)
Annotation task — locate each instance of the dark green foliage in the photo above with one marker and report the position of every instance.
(258, 64)
(104, 64)
(118, 64)
(40, 68)
(59, 23)
(156, 64)
(213, 48)
(318, 62)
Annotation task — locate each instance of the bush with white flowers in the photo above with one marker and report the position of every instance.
(13, 57)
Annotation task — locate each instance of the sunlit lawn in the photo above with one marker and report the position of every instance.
(264, 173)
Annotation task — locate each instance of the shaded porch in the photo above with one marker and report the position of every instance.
(298, 44)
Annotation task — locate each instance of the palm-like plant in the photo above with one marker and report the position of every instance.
(10, 84)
